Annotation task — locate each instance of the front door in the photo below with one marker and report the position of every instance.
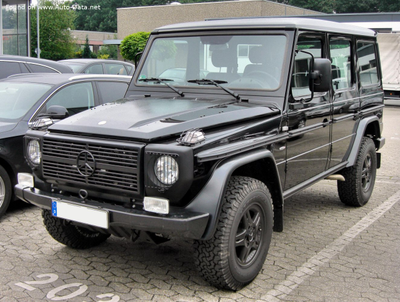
(309, 118)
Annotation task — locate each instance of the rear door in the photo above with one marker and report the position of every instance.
(345, 96)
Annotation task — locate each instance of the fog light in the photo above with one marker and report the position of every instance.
(25, 180)
(156, 205)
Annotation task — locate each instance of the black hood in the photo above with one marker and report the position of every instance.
(5, 127)
(151, 118)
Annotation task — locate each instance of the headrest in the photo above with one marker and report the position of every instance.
(222, 58)
(257, 54)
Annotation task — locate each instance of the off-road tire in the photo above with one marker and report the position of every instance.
(236, 253)
(5, 191)
(360, 178)
(71, 235)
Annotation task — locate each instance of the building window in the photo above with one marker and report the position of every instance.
(15, 37)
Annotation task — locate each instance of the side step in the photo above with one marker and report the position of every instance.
(336, 177)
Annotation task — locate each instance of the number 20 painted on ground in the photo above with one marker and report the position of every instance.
(52, 295)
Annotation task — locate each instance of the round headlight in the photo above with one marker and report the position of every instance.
(166, 170)
(33, 151)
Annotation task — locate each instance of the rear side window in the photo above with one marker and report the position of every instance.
(111, 91)
(40, 68)
(9, 68)
(367, 63)
(340, 51)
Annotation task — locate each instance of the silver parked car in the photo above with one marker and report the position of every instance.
(10, 65)
(98, 66)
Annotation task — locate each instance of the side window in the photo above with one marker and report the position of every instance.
(367, 63)
(40, 68)
(94, 69)
(114, 69)
(75, 98)
(301, 68)
(340, 52)
(112, 91)
(8, 68)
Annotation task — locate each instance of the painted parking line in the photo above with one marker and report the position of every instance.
(305, 271)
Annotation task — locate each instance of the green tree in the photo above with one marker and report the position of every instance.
(389, 6)
(103, 14)
(87, 53)
(100, 15)
(133, 44)
(108, 51)
(324, 6)
(351, 6)
(56, 42)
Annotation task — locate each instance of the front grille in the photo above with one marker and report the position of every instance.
(116, 163)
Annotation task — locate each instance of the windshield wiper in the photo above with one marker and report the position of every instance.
(217, 84)
(164, 81)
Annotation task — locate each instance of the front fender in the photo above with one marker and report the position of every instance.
(209, 199)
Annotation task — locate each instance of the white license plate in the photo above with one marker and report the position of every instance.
(81, 214)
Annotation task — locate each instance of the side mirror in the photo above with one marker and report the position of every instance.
(321, 75)
(57, 112)
(138, 56)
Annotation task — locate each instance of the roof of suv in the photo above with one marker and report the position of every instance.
(269, 22)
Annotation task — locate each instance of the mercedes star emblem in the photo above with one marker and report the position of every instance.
(86, 163)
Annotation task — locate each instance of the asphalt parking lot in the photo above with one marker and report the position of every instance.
(327, 252)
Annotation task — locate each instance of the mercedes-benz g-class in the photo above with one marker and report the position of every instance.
(223, 120)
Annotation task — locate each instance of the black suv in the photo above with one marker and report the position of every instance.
(263, 109)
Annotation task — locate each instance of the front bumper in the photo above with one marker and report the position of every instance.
(179, 222)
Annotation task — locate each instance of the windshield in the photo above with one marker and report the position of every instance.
(16, 99)
(236, 61)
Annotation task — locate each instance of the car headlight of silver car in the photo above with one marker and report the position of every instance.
(166, 169)
(33, 151)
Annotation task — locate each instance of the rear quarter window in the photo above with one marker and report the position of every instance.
(367, 63)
